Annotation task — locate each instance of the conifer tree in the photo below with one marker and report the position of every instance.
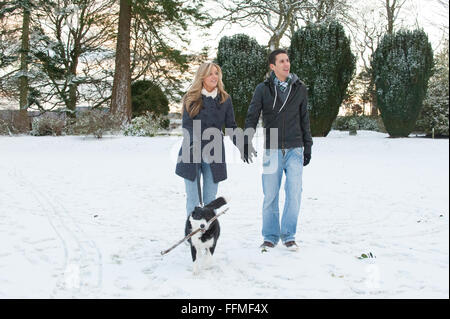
(434, 115)
(244, 64)
(320, 55)
(402, 65)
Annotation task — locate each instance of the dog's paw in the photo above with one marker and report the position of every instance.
(196, 269)
(209, 262)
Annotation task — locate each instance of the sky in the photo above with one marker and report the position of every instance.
(423, 11)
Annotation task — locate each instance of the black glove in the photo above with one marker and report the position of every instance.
(248, 153)
(306, 159)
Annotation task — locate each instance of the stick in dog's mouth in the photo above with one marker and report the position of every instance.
(212, 220)
(194, 232)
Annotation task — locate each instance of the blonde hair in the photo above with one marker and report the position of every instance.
(192, 100)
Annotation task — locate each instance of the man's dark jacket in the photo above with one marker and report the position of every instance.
(291, 119)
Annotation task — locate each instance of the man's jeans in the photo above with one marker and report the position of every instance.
(209, 189)
(274, 163)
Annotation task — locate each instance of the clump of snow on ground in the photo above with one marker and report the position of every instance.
(87, 218)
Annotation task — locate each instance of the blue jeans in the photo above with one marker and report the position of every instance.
(274, 164)
(209, 189)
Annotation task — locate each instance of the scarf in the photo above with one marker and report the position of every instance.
(282, 85)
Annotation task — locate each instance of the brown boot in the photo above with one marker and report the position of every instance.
(266, 245)
(291, 245)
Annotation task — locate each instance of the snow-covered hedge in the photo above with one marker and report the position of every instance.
(244, 65)
(402, 65)
(321, 56)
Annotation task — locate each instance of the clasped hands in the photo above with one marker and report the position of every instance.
(249, 152)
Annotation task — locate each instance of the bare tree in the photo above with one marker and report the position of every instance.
(440, 17)
(444, 13)
(318, 11)
(366, 34)
(392, 8)
(274, 16)
(283, 17)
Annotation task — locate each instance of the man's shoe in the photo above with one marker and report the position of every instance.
(266, 245)
(291, 245)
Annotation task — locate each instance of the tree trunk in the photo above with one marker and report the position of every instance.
(373, 98)
(374, 108)
(24, 123)
(121, 92)
(274, 42)
(391, 9)
(71, 104)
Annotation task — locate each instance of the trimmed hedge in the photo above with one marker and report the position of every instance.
(402, 65)
(321, 56)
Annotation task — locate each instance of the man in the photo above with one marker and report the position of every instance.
(282, 98)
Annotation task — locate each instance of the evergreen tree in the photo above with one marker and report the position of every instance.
(402, 65)
(70, 43)
(148, 97)
(244, 64)
(320, 55)
(435, 111)
(153, 50)
(159, 42)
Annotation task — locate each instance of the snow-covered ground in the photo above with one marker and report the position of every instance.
(87, 218)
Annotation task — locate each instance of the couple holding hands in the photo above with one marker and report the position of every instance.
(282, 99)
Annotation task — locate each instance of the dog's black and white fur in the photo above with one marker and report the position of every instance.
(204, 243)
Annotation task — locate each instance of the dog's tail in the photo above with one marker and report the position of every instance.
(217, 203)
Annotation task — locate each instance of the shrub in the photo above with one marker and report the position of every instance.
(353, 126)
(146, 96)
(14, 122)
(96, 123)
(320, 54)
(4, 128)
(244, 64)
(46, 125)
(145, 125)
(402, 65)
(367, 123)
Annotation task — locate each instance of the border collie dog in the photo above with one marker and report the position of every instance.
(203, 243)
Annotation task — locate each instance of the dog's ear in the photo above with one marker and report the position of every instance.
(217, 203)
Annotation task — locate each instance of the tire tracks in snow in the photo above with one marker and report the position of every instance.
(82, 270)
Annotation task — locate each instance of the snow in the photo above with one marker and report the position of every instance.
(87, 218)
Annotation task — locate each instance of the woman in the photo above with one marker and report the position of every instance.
(209, 105)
